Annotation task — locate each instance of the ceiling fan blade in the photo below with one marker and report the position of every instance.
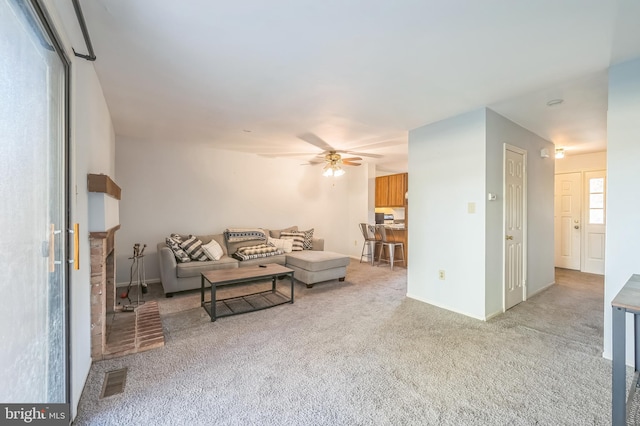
(349, 163)
(364, 154)
(288, 154)
(380, 144)
(316, 141)
(352, 159)
(314, 162)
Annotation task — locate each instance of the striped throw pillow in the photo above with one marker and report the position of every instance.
(174, 244)
(297, 237)
(193, 247)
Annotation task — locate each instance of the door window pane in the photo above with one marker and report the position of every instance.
(596, 201)
(596, 216)
(596, 185)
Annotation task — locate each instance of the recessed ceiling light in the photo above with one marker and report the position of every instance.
(246, 131)
(554, 102)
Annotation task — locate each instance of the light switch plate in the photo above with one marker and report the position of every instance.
(471, 208)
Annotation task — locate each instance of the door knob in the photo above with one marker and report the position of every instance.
(509, 237)
(577, 227)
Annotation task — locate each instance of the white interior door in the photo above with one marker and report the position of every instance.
(515, 221)
(567, 220)
(594, 222)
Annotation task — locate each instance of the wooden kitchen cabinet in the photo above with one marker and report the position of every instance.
(382, 191)
(397, 189)
(390, 190)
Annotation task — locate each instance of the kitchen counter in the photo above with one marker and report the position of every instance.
(396, 226)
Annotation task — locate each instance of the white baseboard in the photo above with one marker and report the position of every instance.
(448, 308)
(541, 289)
(151, 281)
(493, 315)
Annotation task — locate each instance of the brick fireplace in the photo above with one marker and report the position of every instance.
(103, 288)
(114, 332)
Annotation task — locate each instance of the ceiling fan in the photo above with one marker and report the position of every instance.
(333, 162)
(331, 157)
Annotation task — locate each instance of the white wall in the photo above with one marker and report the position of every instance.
(371, 193)
(447, 171)
(93, 144)
(92, 150)
(359, 197)
(191, 188)
(623, 197)
(581, 162)
(540, 187)
(455, 162)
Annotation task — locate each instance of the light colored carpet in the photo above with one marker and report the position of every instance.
(361, 353)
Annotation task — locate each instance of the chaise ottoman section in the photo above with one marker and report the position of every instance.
(312, 266)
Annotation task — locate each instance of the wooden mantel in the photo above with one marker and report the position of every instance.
(104, 184)
(108, 235)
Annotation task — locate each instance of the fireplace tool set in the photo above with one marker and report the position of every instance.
(137, 278)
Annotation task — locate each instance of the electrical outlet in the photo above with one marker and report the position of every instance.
(441, 274)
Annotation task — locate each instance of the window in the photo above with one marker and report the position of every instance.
(596, 201)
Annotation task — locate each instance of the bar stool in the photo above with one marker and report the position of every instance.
(370, 242)
(388, 240)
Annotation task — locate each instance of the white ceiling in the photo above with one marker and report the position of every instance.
(252, 75)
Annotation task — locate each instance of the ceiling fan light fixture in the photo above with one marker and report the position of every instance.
(332, 169)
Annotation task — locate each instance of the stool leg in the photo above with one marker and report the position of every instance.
(368, 253)
(391, 254)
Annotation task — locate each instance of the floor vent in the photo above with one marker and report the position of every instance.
(114, 382)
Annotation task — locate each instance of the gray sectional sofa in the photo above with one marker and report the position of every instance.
(310, 266)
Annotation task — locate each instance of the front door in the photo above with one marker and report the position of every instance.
(33, 222)
(567, 221)
(514, 208)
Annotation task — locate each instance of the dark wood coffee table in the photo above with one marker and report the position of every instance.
(217, 308)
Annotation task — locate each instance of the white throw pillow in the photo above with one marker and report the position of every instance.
(284, 245)
(213, 250)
